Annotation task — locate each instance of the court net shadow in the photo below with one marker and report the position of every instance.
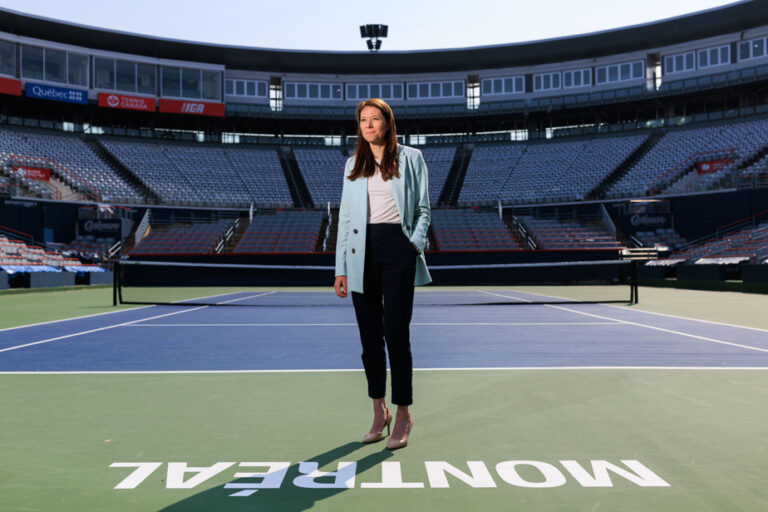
(288, 497)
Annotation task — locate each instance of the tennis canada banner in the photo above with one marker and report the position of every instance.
(10, 86)
(201, 108)
(124, 101)
(255, 476)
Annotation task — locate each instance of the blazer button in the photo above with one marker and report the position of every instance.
(354, 231)
(408, 228)
(353, 251)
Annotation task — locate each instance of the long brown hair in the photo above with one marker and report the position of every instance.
(365, 162)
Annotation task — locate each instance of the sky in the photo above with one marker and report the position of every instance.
(334, 25)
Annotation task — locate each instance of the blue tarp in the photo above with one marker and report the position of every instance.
(12, 269)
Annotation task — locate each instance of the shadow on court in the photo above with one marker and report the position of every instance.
(289, 497)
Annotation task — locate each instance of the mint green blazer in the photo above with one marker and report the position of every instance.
(411, 196)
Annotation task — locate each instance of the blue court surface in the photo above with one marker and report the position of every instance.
(205, 338)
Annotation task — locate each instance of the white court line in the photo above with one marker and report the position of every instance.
(637, 324)
(244, 298)
(124, 324)
(624, 308)
(97, 330)
(360, 370)
(76, 318)
(502, 324)
(123, 310)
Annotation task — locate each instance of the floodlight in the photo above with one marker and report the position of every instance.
(372, 32)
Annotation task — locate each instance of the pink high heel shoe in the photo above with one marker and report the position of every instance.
(402, 442)
(372, 437)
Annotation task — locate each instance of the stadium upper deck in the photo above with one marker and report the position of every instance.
(56, 60)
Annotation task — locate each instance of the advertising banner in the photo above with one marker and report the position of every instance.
(10, 86)
(49, 92)
(632, 223)
(100, 228)
(33, 173)
(110, 100)
(200, 108)
(713, 165)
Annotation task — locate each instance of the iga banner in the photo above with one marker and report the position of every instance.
(10, 86)
(33, 173)
(713, 165)
(192, 107)
(127, 102)
(49, 92)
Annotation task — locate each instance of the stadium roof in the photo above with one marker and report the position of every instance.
(721, 20)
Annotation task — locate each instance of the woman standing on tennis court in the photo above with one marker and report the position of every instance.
(383, 221)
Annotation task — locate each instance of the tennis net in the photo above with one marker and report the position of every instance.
(217, 284)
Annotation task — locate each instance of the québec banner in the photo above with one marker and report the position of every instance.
(200, 108)
(124, 101)
(49, 92)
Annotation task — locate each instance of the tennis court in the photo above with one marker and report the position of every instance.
(532, 407)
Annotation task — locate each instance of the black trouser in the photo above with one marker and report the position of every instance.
(390, 266)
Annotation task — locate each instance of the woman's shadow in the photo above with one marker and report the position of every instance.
(289, 497)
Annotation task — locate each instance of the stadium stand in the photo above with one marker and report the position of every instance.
(487, 171)
(439, 161)
(88, 247)
(70, 158)
(470, 230)
(285, 231)
(543, 172)
(16, 252)
(201, 238)
(755, 174)
(749, 244)
(569, 233)
(671, 165)
(205, 176)
(665, 237)
(322, 170)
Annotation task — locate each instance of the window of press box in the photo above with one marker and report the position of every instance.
(77, 69)
(125, 73)
(32, 62)
(211, 85)
(104, 71)
(171, 81)
(7, 58)
(190, 83)
(55, 66)
(145, 74)
(751, 49)
(714, 56)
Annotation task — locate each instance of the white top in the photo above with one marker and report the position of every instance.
(381, 202)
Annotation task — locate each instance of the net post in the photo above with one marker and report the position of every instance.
(115, 281)
(634, 284)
